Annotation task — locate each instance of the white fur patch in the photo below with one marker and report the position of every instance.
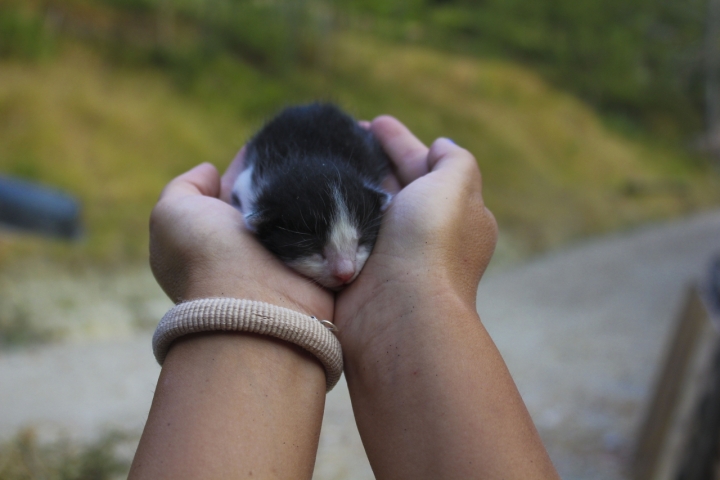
(386, 201)
(315, 267)
(340, 251)
(245, 190)
(387, 197)
(343, 239)
(363, 252)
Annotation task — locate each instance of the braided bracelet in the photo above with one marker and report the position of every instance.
(229, 314)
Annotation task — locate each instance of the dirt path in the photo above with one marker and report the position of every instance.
(581, 331)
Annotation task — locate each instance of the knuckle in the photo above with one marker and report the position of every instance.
(490, 222)
(159, 214)
(154, 218)
(468, 162)
(413, 153)
(470, 173)
(383, 118)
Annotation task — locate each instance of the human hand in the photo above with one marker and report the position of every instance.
(200, 248)
(431, 395)
(436, 239)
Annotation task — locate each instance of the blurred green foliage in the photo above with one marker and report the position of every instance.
(271, 34)
(17, 330)
(23, 35)
(640, 60)
(140, 90)
(25, 458)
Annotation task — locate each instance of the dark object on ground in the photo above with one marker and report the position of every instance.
(680, 436)
(712, 289)
(37, 209)
(702, 455)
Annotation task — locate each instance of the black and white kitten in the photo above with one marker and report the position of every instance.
(310, 191)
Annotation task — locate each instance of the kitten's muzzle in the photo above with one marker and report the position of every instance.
(344, 271)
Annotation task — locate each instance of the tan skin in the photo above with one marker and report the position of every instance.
(228, 405)
(431, 394)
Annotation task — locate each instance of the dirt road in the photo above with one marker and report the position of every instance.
(580, 329)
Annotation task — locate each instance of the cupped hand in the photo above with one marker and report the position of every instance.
(200, 248)
(436, 238)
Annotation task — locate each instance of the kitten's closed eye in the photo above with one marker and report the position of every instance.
(331, 273)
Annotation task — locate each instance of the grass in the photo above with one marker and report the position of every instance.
(26, 458)
(553, 171)
(114, 134)
(111, 137)
(42, 302)
(17, 329)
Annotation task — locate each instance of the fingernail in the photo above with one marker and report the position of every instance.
(450, 140)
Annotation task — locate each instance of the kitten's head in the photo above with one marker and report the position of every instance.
(322, 229)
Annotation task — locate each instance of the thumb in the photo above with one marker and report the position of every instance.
(454, 164)
(201, 180)
(444, 153)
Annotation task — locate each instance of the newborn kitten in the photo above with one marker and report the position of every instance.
(311, 191)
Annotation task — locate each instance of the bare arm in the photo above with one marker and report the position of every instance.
(431, 394)
(233, 406)
(228, 405)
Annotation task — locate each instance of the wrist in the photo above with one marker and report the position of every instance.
(416, 304)
(214, 385)
(247, 316)
(397, 338)
(291, 292)
(278, 363)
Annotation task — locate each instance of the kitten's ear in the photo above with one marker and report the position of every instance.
(385, 198)
(253, 220)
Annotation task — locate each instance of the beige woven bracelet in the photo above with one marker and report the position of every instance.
(229, 314)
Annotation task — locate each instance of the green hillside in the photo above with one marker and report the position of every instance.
(639, 60)
(552, 170)
(112, 119)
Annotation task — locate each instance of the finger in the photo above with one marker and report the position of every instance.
(391, 185)
(364, 124)
(408, 154)
(232, 172)
(445, 155)
(201, 180)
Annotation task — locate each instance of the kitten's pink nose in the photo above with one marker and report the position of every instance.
(344, 277)
(344, 271)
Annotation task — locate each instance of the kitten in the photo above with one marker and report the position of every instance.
(311, 191)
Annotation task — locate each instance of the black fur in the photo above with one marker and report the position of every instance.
(297, 158)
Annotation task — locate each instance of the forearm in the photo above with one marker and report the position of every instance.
(432, 396)
(233, 406)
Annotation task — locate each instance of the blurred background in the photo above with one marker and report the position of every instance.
(596, 124)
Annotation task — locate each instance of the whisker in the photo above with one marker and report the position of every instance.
(301, 243)
(294, 231)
